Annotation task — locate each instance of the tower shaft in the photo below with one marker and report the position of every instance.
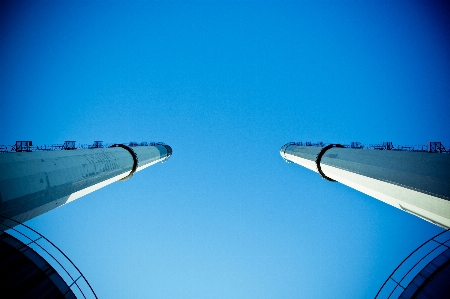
(32, 183)
(415, 182)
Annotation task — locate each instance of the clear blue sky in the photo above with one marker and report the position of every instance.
(226, 84)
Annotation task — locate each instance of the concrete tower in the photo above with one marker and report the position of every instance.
(32, 183)
(415, 182)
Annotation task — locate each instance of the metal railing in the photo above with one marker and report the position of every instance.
(400, 278)
(434, 147)
(70, 273)
(27, 146)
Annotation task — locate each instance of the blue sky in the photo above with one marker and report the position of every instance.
(226, 84)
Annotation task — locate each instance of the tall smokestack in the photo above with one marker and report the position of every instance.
(415, 182)
(32, 183)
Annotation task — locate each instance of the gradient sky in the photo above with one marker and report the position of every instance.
(226, 84)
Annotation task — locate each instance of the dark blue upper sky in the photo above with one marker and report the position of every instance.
(226, 84)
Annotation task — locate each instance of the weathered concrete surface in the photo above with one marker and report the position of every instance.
(32, 183)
